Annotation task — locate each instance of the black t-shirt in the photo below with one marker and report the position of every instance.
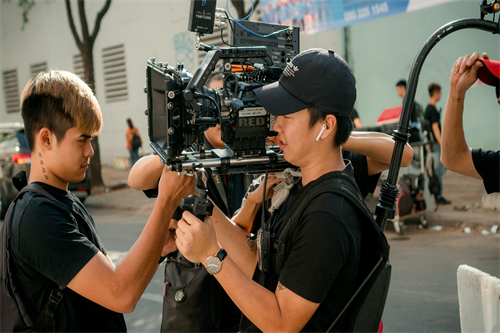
(323, 263)
(416, 112)
(432, 116)
(487, 164)
(51, 242)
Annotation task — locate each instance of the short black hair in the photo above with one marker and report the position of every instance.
(401, 83)
(344, 125)
(433, 88)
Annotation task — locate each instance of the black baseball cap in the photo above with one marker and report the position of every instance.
(316, 78)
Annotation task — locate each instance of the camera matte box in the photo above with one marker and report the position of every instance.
(202, 16)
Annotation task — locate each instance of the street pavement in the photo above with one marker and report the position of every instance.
(465, 193)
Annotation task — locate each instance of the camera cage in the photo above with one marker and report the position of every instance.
(180, 108)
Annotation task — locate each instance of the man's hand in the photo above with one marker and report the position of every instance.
(196, 239)
(464, 74)
(170, 246)
(256, 196)
(173, 187)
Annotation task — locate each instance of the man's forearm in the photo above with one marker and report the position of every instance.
(452, 132)
(145, 173)
(377, 146)
(455, 152)
(247, 214)
(280, 311)
(141, 262)
(236, 241)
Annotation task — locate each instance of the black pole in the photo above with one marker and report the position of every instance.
(389, 191)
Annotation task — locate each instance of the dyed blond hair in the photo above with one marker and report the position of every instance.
(59, 100)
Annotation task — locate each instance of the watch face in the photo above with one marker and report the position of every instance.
(213, 265)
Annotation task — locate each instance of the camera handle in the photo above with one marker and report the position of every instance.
(198, 204)
(389, 191)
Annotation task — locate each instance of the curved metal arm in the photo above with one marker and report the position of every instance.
(389, 191)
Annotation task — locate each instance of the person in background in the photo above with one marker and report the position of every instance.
(433, 118)
(456, 154)
(416, 114)
(134, 142)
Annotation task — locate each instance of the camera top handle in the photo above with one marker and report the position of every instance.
(389, 191)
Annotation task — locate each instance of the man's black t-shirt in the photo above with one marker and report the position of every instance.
(322, 266)
(432, 116)
(487, 164)
(51, 242)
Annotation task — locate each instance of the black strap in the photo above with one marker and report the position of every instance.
(218, 195)
(45, 321)
(46, 318)
(220, 188)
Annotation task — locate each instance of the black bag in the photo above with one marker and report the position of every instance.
(364, 310)
(191, 297)
(136, 142)
(434, 185)
(14, 316)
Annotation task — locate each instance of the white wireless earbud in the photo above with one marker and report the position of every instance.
(323, 128)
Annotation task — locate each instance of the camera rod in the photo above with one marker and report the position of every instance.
(389, 192)
(222, 163)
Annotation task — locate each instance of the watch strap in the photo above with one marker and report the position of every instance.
(222, 254)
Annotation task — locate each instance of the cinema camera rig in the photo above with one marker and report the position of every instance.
(181, 108)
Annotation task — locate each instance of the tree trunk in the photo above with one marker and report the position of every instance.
(96, 182)
(86, 45)
(240, 7)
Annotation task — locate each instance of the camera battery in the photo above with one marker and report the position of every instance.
(202, 16)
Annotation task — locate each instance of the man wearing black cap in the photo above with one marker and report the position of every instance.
(456, 154)
(313, 100)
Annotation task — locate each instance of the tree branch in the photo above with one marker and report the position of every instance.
(83, 21)
(72, 26)
(255, 4)
(98, 20)
(240, 7)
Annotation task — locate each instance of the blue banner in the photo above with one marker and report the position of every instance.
(313, 16)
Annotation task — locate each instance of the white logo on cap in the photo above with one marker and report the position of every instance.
(290, 70)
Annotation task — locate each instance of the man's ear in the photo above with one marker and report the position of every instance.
(46, 138)
(331, 124)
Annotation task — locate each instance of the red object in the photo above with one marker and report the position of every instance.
(381, 327)
(490, 72)
(22, 158)
(390, 115)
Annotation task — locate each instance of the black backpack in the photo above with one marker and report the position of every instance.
(136, 142)
(363, 312)
(14, 316)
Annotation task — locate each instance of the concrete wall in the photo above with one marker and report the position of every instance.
(478, 299)
(381, 52)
